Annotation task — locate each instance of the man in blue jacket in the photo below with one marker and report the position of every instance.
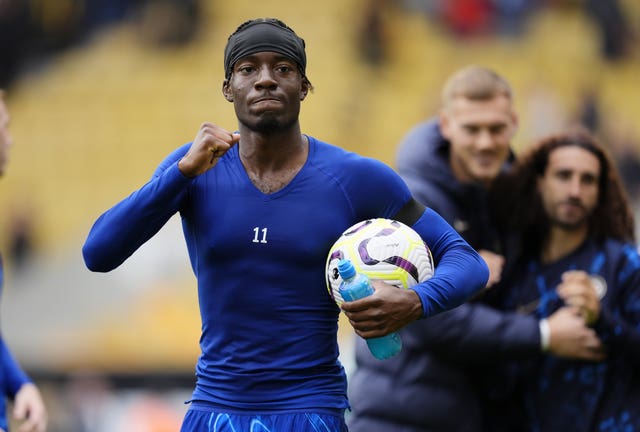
(449, 164)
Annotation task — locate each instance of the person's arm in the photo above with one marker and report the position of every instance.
(28, 405)
(475, 332)
(15, 376)
(460, 272)
(121, 230)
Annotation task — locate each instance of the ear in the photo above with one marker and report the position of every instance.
(304, 90)
(226, 91)
(516, 120)
(445, 123)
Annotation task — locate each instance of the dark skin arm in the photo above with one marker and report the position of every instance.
(389, 308)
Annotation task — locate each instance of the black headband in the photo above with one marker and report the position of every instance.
(260, 36)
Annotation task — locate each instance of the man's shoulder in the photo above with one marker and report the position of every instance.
(424, 133)
(422, 148)
(337, 158)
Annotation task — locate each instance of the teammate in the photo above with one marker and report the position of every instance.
(578, 252)
(261, 208)
(29, 408)
(441, 381)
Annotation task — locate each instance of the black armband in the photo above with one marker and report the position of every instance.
(410, 212)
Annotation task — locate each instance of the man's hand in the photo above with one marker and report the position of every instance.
(578, 292)
(571, 338)
(387, 310)
(495, 263)
(29, 409)
(209, 145)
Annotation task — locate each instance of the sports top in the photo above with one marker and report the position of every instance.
(269, 325)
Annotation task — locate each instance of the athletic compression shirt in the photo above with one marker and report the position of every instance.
(269, 326)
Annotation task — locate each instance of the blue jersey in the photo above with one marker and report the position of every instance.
(562, 394)
(269, 326)
(12, 377)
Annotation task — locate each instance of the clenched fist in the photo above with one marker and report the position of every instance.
(207, 148)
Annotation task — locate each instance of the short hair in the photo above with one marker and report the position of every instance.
(476, 83)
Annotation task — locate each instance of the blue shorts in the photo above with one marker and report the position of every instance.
(205, 420)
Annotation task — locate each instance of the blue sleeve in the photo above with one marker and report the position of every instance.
(459, 273)
(619, 321)
(121, 230)
(14, 375)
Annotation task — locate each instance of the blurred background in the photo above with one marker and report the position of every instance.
(100, 91)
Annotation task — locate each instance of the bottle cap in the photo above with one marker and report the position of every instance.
(346, 269)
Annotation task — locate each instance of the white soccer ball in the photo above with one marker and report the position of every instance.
(382, 249)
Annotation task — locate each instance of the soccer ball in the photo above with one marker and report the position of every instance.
(382, 249)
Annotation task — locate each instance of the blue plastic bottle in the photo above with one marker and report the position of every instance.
(356, 286)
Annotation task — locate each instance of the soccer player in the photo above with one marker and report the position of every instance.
(450, 164)
(29, 408)
(578, 253)
(260, 209)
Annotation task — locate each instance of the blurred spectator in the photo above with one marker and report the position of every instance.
(613, 27)
(169, 22)
(625, 147)
(371, 36)
(544, 112)
(467, 17)
(619, 136)
(510, 15)
(14, 30)
(31, 31)
(21, 238)
(589, 115)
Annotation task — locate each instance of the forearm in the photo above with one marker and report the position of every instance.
(14, 374)
(478, 332)
(460, 272)
(121, 230)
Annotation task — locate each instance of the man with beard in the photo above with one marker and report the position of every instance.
(260, 209)
(444, 378)
(576, 251)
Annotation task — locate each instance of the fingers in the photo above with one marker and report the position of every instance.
(219, 146)
(593, 349)
(364, 315)
(571, 338)
(388, 309)
(577, 291)
(30, 408)
(32, 425)
(495, 263)
(209, 145)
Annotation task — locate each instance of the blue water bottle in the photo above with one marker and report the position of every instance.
(355, 286)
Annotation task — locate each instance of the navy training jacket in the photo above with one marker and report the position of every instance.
(446, 376)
